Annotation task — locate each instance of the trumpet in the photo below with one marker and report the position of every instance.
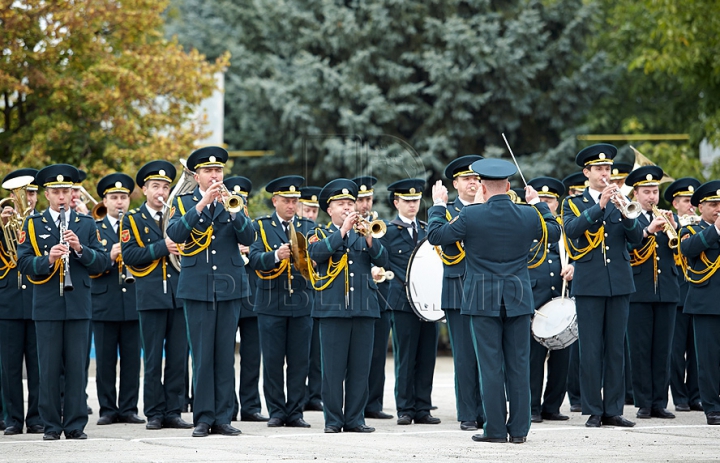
(668, 228)
(629, 209)
(66, 281)
(689, 219)
(376, 228)
(384, 275)
(232, 202)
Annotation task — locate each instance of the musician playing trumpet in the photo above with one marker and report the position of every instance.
(683, 361)
(651, 318)
(597, 238)
(115, 315)
(62, 323)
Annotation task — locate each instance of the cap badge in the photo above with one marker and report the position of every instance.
(292, 187)
(412, 191)
(601, 156)
(60, 178)
(717, 192)
(615, 171)
(363, 188)
(118, 184)
(545, 188)
(161, 173)
(345, 191)
(212, 159)
(314, 197)
(237, 188)
(648, 177)
(691, 188)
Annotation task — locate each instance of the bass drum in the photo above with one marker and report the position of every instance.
(555, 323)
(423, 282)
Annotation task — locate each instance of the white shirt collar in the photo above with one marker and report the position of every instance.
(406, 220)
(112, 221)
(464, 203)
(594, 194)
(56, 215)
(152, 211)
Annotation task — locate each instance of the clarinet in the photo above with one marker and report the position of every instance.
(66, 285)
(125, 275)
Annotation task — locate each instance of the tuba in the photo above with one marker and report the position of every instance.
(186, 184)
(18, 201)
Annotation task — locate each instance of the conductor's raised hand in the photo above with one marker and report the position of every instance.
(439, 192)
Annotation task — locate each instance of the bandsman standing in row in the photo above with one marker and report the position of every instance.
(468, 399)
(547, 277)
(308, 207)
(683, 360)
(414, 340)
(249, 407)
(346, 305)
(597, 237)
(212, 284)
(283, 302)
(651, 319)
(115, 315)
(146, 251)
(18, 341)
(56, 262)
(700, 246)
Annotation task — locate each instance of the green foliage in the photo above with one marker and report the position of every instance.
(396, 89)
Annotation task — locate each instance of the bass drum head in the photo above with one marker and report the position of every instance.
(555, 323)
(424, 280)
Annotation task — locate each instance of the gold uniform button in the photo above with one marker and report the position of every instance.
(607, 248)
(657, 258)
(552, 274)
(608, 261)
(124, 290)
(352, 289)
(214, 267)
(201, 220)
(553, 288)
(213, 237)
(350, 262)
(291, 291)
(213, 252)
(169, 275)
(606, 235)
(352, 274)
(549, 261)
(292, 277)
(399, 251)
(24, 286)
(659, 271)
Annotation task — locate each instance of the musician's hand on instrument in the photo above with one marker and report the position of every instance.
(530, 194)
(172, 246)
(567, 272)
(244, 249)
(717, 220)
(57, 252)
(439, 192)
(656, 225)
(607, 195)
(114, 252)
(80, 207)
(7, 212)
(283, 252)
(72, 240)
(376, 273)
(348, 223)
(671, 219)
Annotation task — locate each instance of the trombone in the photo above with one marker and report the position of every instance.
(668, 228)
(373, 226)
(98, 211)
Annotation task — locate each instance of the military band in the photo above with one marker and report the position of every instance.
(312, 308)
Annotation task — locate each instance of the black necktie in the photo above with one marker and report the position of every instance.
(116, 227)
(414, 233)
(286, 226)
(159, 220)
(212, 209)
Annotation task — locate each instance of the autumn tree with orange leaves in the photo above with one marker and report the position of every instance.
(95, 84)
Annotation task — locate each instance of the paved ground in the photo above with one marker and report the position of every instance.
(683, 439)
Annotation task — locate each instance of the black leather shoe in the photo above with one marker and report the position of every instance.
(36, 429)
(629, 401)
(299, 423)
(177, 423)
(51, 435)
(662, 413)
(331, 429)
(427, 419)
(361, 428)
(2, 425)
(468, 426)
(643, 413)
(254, 417)
(554, 416)
(154, 424)
(225, 430)
(89, 410)
(697, 406)
(13, 430)
(593, 421)
(275, 423)
(433, 407)
(617, 420)
(576, 408)
(484, 438)
(75, 434)
(713, 418)
(201, 430)
(536, 419)
(682, 408)
(313, 406)
(132, 418)
(105, 420)
(518, 440)
(404, 420)
(381, 415)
